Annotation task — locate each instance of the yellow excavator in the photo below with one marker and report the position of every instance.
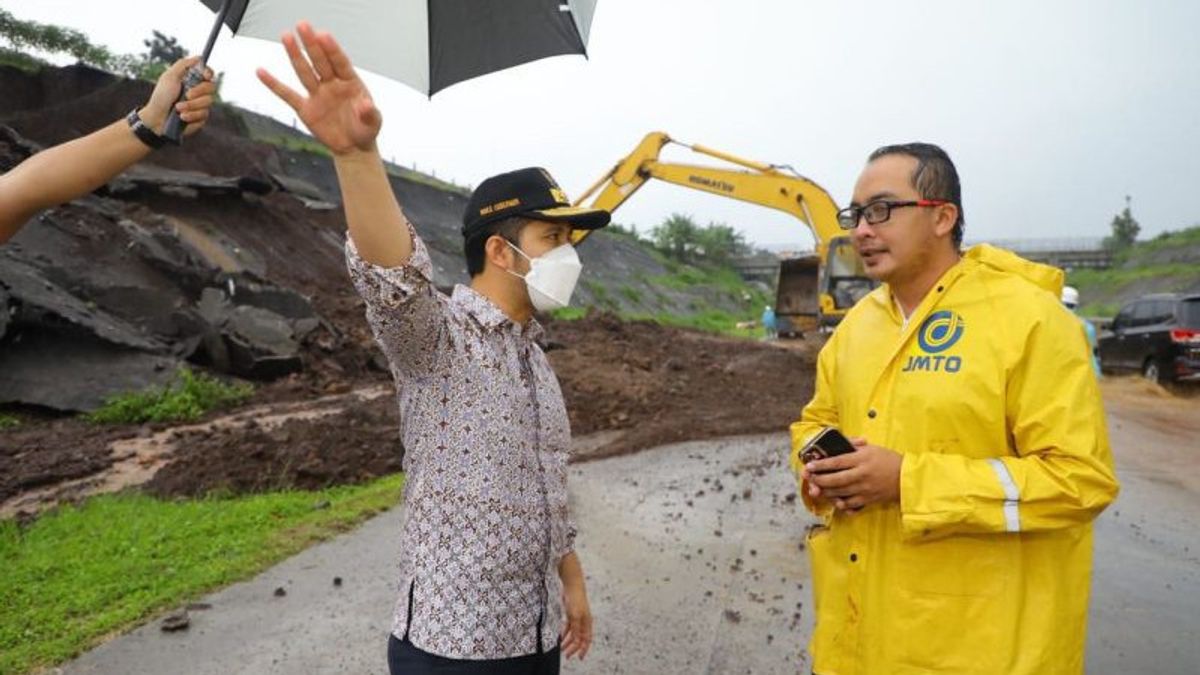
(815, 290)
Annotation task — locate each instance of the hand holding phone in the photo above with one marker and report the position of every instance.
(829, 442)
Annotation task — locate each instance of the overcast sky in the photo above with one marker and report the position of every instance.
(1052, 110)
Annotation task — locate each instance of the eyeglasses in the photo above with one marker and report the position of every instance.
(878, 211)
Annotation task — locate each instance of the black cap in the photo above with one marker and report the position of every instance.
(529, 193)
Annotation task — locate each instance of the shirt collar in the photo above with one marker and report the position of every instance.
(491, 317)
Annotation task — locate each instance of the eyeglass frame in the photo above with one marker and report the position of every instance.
(859, 212)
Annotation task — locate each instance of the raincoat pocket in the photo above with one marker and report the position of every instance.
(961, 565)
(937, 627)
(820, 560)
(829, 597)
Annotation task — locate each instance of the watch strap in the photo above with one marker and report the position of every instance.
(144, 133)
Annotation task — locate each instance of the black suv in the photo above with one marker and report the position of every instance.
(1157, 335)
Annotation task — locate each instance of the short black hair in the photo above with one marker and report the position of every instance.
(934, 178)
(474, 246)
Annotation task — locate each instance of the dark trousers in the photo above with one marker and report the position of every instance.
(405, 659)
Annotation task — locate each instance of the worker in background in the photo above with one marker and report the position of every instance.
(770, 324)
(75, 168)
(957, 533)
(1070, 298)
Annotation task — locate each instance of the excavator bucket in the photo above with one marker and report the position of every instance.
(796, 304)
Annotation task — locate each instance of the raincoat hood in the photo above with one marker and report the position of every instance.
(1043, 276)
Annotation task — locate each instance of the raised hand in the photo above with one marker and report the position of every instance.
(338, 109)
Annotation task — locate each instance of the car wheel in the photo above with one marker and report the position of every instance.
(1150, 371)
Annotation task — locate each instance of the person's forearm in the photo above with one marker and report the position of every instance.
(570, 570)
(377, 225)
(64, 172)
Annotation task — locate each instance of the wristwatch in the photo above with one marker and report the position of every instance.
(144, 133)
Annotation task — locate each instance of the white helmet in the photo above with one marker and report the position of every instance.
(1070, 297)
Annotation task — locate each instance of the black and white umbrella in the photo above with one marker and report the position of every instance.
(425, 44)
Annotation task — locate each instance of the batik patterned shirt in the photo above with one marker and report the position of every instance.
(486, 437)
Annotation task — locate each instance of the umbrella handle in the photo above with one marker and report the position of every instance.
(195, 75)
(176, 126)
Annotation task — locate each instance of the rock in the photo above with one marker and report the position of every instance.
(176, 622)
(280, 592)
(147, 178)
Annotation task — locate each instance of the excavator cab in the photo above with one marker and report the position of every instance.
(844, 279)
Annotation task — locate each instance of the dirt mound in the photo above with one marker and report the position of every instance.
(628, 386)
(42, 454)
(356, 445)
(656, 384)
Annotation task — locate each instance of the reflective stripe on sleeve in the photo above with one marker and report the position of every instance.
(1012, 497)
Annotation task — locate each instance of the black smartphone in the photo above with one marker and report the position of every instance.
(828, 442)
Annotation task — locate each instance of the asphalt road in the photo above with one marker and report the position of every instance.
(693, 565)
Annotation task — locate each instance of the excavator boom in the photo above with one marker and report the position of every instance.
(842, 280)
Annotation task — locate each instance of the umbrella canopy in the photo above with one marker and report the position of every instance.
(427, 44)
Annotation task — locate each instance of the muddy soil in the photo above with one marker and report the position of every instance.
(628, 386)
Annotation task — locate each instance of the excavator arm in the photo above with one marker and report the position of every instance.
(768, 185)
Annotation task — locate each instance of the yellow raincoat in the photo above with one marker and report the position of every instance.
(984, 565)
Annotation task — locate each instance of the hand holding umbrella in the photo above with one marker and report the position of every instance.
(338, 110)
(192, 108)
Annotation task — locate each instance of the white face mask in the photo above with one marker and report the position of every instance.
(552, 277)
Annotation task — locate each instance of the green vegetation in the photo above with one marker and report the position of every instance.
(81, 573)
(23, 36)
(632, 294)
(569, 313)
(425, 179)
(1169, 262)
(187, 398)
(1118, 276)
(1125, 228)
(681, 238)
(1100, 309)
(711, 321)
(9, 421)
(601, 295)
(302, 142)
(1166, 243)
(296, 143)
(19, 59)
(696, 260)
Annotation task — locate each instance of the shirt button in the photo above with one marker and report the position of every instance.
(871, 413)
(853, 557)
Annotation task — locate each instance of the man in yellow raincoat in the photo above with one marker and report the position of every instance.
(957, 536)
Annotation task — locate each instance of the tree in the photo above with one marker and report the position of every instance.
(1125, 228)
(164, 49)
(52, 39)
(677, 236)
(681, 238)
(24, 35)
(719, 243)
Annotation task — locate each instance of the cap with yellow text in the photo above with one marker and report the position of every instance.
(528, 193)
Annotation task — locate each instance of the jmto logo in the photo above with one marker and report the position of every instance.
(940, 332)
